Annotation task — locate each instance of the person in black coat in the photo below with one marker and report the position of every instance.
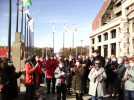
(97, 56)
(9, 80)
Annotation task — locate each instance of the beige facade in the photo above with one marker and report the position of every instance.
(115, 35)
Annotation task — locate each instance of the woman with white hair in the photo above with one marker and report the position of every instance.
(97, 76)
(129, 81)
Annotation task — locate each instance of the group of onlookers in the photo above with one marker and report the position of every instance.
(94, 75)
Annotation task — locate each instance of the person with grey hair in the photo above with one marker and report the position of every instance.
(120, 71)
(129, 81)
(97, 76)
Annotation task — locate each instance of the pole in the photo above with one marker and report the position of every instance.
(53, 43)
(63, 41)
(9, 29)
(81, 47)
(76, 52)
(25, 30)
(17, 19)
(46, 52)
(22, 20)
(27, 41)
(72, 43)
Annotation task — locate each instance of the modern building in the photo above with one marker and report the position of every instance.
(113, 29)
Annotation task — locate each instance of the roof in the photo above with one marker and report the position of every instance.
(97, 21)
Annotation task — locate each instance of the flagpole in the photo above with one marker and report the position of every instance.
(27, 40)
(25, 29)
(53, 43)
(22, 20)
(17, 19)
(63, 42)
(9, 29)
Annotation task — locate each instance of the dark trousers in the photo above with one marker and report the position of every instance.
(84, 85)
(30, 92)
(48, 81)
(129, 95)
(61, 92)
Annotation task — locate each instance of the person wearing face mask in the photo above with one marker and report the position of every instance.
(126, 64)
(120, 71)
(129, 81)
(113, 74)
(60, 76)
(97, 76)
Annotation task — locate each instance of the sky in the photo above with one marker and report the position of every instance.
(58, 16)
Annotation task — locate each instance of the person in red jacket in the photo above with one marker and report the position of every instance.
(38, 72)
(51, 65)
(29, 79)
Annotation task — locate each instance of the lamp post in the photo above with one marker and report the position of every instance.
(9, 29)
(81, 47)
(53, 28)
(63, 41)
(53, 42)
(46, 53)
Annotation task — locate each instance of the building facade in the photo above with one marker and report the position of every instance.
(113, 29)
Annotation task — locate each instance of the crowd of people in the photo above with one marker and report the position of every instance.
(95, 75)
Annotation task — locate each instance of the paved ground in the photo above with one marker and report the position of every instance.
(53, 97)
(42, 93)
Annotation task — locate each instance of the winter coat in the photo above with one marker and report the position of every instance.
(60, 76)
(29, 79)
(76, 79)
(9, 80)
(38, 74)
(97, 84)
(50, 68)
(129, 84)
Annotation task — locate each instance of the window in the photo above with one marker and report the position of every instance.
(113, 33)
(133, 27)
(105, 36)
(133, 43)
(92, 49)
(93, 41)
(99, 38)
(118, 14)
(105, 50)
(118, 4)
(113, 49)
(99, 49)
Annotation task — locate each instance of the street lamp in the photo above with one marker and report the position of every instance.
(9, 29)
(81, 47)
(63, 41)
(53, 28)
(53, 42)
(65, 30)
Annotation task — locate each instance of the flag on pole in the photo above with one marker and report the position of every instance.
(24, 5)
(27, 3)
(31, 24)
(31, 30)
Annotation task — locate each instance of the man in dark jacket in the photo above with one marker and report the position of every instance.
(9, 80)
(120, 73)
(98, 56)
